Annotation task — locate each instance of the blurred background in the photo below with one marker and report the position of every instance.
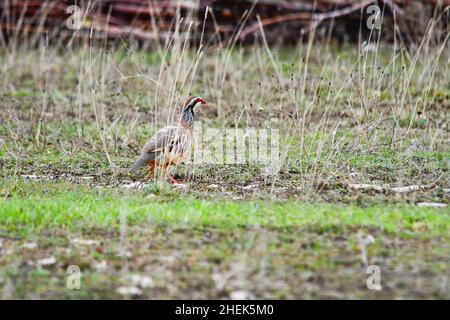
(284, 22)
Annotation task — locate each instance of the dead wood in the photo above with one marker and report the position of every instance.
(282, 21)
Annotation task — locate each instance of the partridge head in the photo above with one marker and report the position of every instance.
(188, 115)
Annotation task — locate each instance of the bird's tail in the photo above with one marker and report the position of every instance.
(138, 164)
(142, 161)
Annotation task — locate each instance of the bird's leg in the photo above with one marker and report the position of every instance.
(172, 179)
(169, 177)
(151, 171)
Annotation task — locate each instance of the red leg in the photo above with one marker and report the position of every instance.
(151, 171)
(172, 179)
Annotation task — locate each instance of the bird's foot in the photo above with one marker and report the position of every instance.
(177, 184)
(172, 179)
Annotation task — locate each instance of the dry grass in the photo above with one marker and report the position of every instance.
(95, 105)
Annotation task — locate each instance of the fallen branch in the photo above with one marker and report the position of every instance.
(432, 204)
(382, 189)
(412, 188)
(316, 18)
(367, 187)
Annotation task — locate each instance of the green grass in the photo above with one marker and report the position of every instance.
(281, 249)
(38, 206)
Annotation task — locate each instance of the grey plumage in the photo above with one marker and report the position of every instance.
(142, 161)
(170, 143)
(156, 145)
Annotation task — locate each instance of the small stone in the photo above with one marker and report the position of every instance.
(240, 295)
(30, 245)
(432, 204)
(124, 254)
(129, 291)
(47, 261)
(141, 281)
(84, 242)
(100, 266)
(250, 187)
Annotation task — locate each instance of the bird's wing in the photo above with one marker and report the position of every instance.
(163, 138)
(155, 146)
